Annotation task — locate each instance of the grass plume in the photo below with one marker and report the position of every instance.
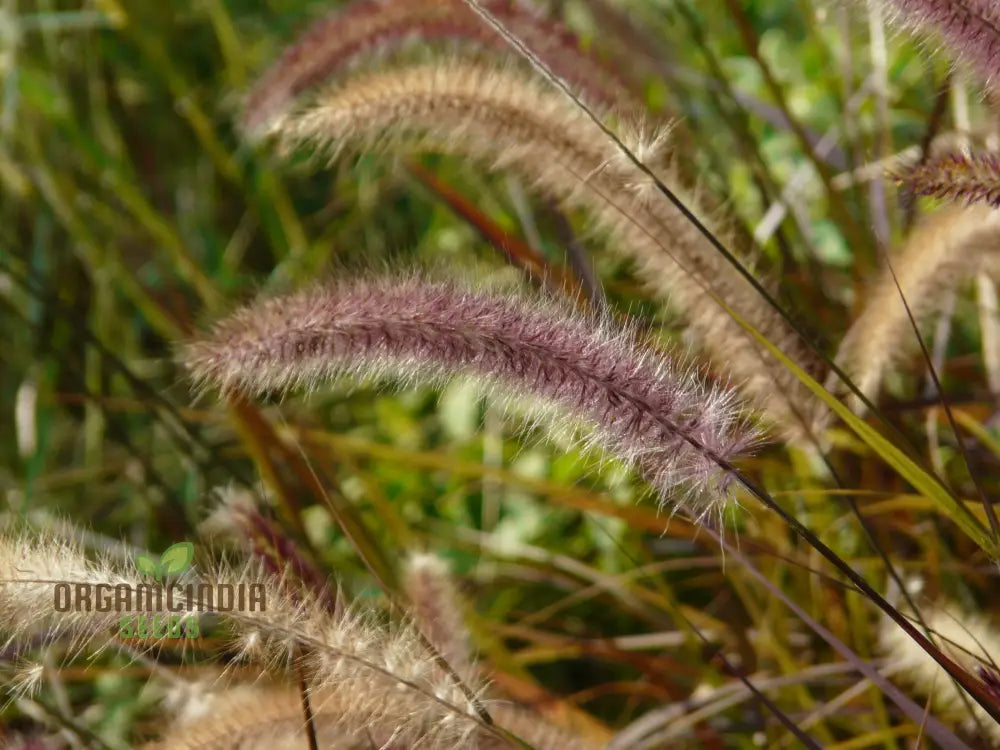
(371, 28)
(972, 640)
(951, 246)
(436, 610)
(955, 177)
(270, 718)
(132, 207)
(265, 717)
(510, 121)
(256, 718)
(632, 402)
(969, 28)
(239, 517)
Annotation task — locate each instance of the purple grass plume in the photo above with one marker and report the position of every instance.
(240, 517)
(956, 177)
(969, 28)
(570, 371)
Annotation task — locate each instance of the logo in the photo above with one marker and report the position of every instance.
(164, 607)
(175, 560)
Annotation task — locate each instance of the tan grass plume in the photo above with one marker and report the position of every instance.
(371, 29)
(950, 247)
(251, 717)
(270, 717)
(436, 610)
(972, 640)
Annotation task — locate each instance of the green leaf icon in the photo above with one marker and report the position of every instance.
(177, 558)
(147, 565)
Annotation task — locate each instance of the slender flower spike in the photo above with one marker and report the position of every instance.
(969, 28)
(372, 28)
(950, 247)
(239, 517)
(270, 718)
(969, 638)
(956, 177)
(436, 610)
(569, 370)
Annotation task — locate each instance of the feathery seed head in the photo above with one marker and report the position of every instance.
(637, 405)
(29, 568)
(239, 517)
(949, 247)
(955, 177)
(970, 639)
(266, 717)
(436, 611)
(382, 678)
(970, 29)
(372, 28)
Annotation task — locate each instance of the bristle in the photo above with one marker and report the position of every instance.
(27, 679)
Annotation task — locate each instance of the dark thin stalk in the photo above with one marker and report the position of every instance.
(741, 127)
(973, 687)
(81, 730)
(177, 426)
(933, 127)
(752, 44)
(307, 712)
(770, 705)
(866, 527)
(727, 665)
(517, 252)
(939, 732)
(579, 259)
(987, 506)
(477, 704)
(170, 515)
